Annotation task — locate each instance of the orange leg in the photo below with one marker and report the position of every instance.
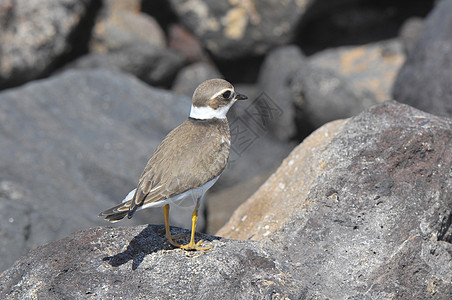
(168, 235)
(192, 245)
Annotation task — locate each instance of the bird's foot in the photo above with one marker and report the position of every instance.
(196, 247)
(171, 239)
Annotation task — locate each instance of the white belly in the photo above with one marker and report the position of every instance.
(190, 195)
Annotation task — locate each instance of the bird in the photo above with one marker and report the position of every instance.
(188, 161)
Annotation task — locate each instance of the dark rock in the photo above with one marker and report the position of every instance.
(424, 79)
(333, 24)
(121, 24)
(154, 65)
(369, 68)
(410, 32)
(161, 11)
(185, 43)
(279, 67)
(137, 262)
(125, 39)
(360, 209)
(322, 95)
(231, 30)
(31, 45)
(192, 75)
(74, 145)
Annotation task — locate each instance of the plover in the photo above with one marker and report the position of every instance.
(188, 161)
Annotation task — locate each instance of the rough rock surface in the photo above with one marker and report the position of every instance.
(367, 211)
(222, 204)
(232, 29)
(371, 220)
(138, 262)
(424, 79)
(265, 212)
(32, 45)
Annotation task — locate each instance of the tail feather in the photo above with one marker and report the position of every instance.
(118, 212)
(115, 213)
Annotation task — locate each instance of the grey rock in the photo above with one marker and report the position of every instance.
(410, 33)
(322, 95)
(121, 24)
(362, 209)
(424, 79)
(222, 204)
(154, 65)
(137, 262)
(279, 66)
(32, 45)
(374, 222)
(74, 145)
(369, 68)
(236, 29)
(192, 75)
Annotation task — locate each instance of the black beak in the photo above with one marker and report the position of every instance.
(240, 96)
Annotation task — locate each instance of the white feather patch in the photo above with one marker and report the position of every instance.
(207, 112)
(129, 196)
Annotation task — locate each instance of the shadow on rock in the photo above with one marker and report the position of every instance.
(151, 239)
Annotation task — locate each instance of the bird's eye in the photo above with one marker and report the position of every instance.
(226, 94)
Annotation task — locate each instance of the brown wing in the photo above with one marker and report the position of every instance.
(188, 157)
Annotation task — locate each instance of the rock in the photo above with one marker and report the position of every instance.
(153, 65)
(222, 204)
(191, 76)
(234, 29)
(363, 214)
(127, 262)
(32, 45)
(424, 79)
(74, 145)
(321, 95)
(279, 67)
(295, 176)
(161, 11)
(369, 68)
(410, 32)
(121, 25)
(362, 209)
(186, 44)
(335, 24)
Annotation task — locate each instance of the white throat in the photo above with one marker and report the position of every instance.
(207, 112)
